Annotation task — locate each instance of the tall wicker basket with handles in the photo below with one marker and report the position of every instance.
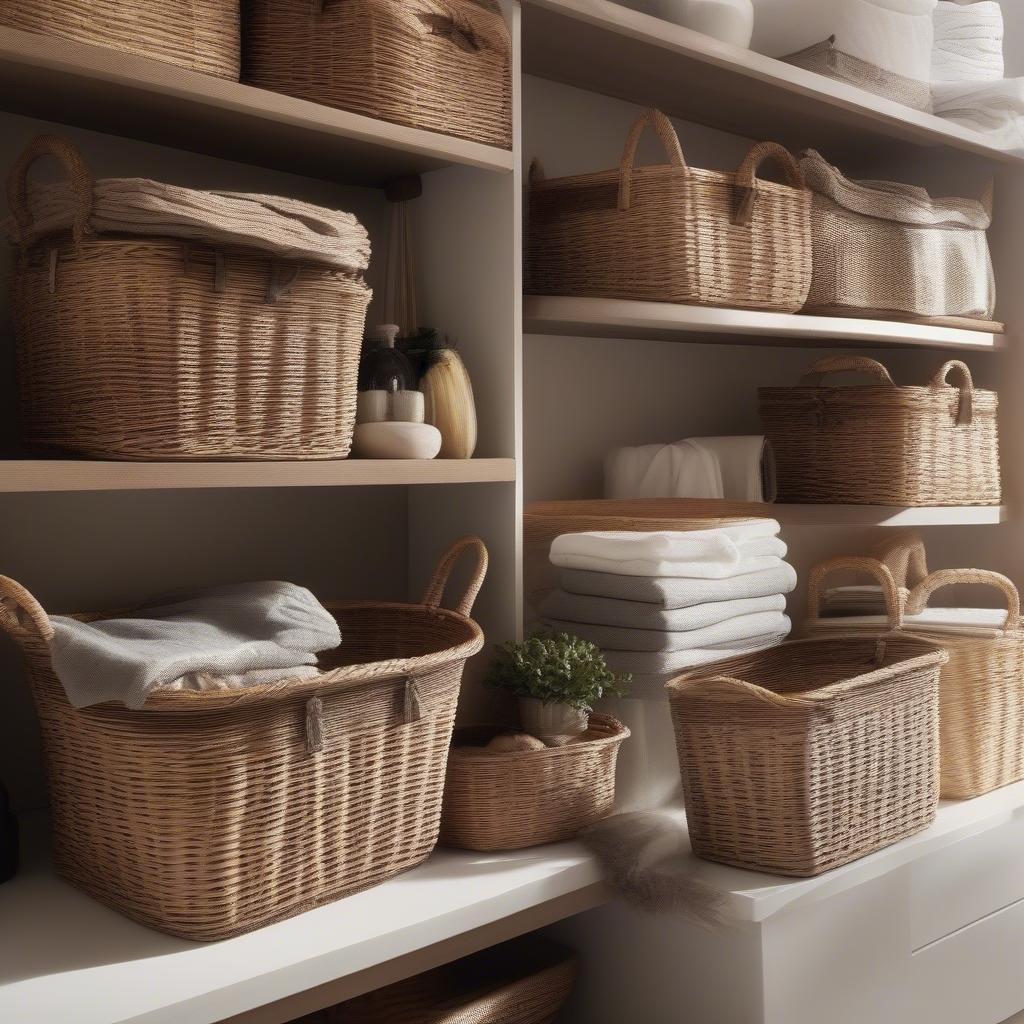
(883, 444)
(673, 233)
(209, 814)
(151, 348)
(199, 36)
(811, 754)
(442, 65)
(981, 693)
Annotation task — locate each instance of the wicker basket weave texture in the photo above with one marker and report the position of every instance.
(673, 233)
(811, 754)
(441, 65)
(206, 815)
(981, 693)
(512, 800)
(882, 444)
(138, 348)
(201, 36)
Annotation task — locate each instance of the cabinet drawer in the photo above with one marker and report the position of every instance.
(961, 884)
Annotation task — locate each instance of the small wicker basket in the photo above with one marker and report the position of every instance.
(442, 65)
(882, 444)
(233, 809)
(673, 233)
(199, 36)
(515, 799)
(981, 710)
(811, 754)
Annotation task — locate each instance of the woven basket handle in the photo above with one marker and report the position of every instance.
(845, 364)
(918, 599)
(906, 560)
(871, 566)
(21, 615)
(435, 589)
(663, 126)
(965, 410)
(746, 177)
(729, 686)
(78, 173)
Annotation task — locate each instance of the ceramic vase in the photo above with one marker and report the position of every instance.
(549, 720)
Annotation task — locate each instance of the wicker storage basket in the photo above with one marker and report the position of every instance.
(160, 348)
(673, 233)
(885, 249)
(208, 814)
(442, 65)
(200, 36)
(811, 754)
(981, 693)
(883, 444)
(508, 801)
(902, 553)
(524, 981)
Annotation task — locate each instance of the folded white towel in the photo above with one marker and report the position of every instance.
(996, 109)
(733, 468)
(968, 42)
(756, 556)
(978, 622)
(647, 663)
(222, 631)
(608, 611)
(738, 629)
(673, 592)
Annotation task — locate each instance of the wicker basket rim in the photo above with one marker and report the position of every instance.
(618, 732)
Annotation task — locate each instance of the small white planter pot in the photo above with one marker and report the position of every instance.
(545, 719)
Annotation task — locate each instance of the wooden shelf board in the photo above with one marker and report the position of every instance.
(124, 94)
(885, 515)
(663, 321)
(608, 48)
(21, 475)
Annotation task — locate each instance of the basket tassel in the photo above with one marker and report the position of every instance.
(282, 279)
(220, 272)
(53, 271)
(880, 648)
(314, 725)
(413, 705)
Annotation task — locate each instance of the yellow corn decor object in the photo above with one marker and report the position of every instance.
(448, 394)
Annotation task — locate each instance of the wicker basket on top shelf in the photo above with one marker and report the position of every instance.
(198, 36)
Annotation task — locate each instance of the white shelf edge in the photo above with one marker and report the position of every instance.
(554, 315)
(44, 475)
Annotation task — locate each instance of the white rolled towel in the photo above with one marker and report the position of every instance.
(968, 42)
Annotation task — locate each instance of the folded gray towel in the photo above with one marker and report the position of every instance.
(231, 630)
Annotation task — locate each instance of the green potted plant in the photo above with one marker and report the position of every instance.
(557, 678)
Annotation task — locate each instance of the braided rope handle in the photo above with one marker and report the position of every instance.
(435, 589)
(663, 126)
(917, 600)
(965, 409)
(871, 566)
(77, 170)
(21, 615)
(845, 364)
(746, 177)
(905, 557)
(731, 686)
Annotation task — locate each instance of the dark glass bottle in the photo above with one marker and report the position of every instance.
(383, 367)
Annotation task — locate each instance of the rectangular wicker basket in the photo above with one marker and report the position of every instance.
(673, 233)
(198, 36)
(883, 444)
(208, 814)
(811, 754)
(441, 65)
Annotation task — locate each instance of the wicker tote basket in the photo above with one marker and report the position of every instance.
(811, 754)
(199, 36)
(209, 814)
(882, 444)
(511, 800)
(673, 233)
(441, 65)
(524, 981)
(138, 347)
(981, 693)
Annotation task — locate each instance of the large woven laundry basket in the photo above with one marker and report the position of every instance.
(199, 36)
(524, 981)
(882, 444)
(811, 754)
(442, 65)
(155, 322)
(673, 233)
(981, 710)
(208, 814)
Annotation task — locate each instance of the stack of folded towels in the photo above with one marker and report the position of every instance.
(660, 603)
